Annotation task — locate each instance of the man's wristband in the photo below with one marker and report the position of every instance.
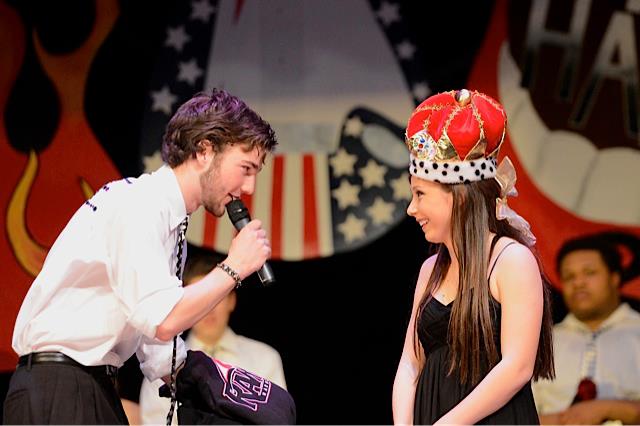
(233, 274)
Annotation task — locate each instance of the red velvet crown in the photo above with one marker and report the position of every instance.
(455, 137)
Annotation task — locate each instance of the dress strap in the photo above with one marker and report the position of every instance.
(498, 256)
(494, 241)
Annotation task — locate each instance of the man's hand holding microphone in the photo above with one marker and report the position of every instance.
(250, 249)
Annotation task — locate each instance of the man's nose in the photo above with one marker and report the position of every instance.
(578, 281)
(249, 185)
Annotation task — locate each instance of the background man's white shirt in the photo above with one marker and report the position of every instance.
(617, 362)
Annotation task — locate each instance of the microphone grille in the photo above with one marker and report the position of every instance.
(237, 211)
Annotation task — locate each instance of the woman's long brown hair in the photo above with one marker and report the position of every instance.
(471, 330)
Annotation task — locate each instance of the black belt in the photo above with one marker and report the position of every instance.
(60, 358)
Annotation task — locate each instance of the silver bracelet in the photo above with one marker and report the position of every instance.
(233, 274)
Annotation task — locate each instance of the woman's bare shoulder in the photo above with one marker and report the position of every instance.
(513, 266)
(510, 252)
(425, 273)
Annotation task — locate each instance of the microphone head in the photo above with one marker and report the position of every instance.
(237, 210)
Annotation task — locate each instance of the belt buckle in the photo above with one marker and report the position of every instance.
(111, 370)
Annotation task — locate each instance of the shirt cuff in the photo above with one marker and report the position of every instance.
(157, 358)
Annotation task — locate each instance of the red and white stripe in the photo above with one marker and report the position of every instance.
(293, 201)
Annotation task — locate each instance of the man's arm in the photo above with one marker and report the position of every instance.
(248, 252)
(550, 419)
(598, 411)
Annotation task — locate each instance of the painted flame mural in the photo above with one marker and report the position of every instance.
(43, 186)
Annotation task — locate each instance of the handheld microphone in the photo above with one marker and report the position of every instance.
(239, 216)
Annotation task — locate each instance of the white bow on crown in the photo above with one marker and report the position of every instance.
(506, 177)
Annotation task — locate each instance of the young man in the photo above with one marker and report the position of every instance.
(597, 346)
(111, 283)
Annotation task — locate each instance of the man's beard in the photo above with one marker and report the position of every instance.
(596, 311)
(207, 183)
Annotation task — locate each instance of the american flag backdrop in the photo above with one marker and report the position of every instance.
(338, 180)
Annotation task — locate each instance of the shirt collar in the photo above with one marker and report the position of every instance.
(168, 183)
(227, 342)
(619, 315)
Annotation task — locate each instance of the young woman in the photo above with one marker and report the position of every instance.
(480, 327)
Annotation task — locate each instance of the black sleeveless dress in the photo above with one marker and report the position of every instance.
(437, 393)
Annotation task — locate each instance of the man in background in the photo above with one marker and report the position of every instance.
(596, 346)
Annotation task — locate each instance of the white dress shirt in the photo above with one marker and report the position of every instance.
(616, 365)
(240, 351)
(109, 279)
